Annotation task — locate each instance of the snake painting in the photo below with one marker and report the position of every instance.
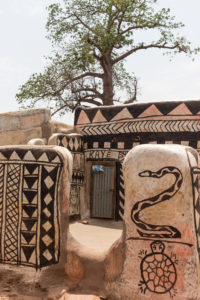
(157, 231)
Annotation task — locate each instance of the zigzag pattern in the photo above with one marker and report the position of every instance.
(143, 126)
(137, 110)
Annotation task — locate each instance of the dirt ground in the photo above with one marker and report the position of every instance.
(98, 234)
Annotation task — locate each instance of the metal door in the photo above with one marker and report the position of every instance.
(103, 191)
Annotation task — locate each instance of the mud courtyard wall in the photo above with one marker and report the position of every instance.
(19, 127)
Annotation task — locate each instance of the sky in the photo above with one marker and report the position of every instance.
(23, 46)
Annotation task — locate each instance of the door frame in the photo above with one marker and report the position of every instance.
(110, 164)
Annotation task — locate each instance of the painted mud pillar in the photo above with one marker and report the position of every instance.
(34, 202)
(74, 143)
(162, 224)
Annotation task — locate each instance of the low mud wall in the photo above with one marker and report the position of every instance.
(19, 127)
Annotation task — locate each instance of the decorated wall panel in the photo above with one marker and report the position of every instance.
(29, 221)
(74, 143)
(110, 132)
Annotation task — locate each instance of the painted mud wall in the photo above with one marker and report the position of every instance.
(110, 132)
(74, 143)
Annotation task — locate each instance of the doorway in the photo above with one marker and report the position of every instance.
(103, 188)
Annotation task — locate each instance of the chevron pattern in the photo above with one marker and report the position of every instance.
(29, 228)
(143, 126)
(110, 132)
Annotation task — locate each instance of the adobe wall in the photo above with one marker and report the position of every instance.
(110, 132)
(19, 127)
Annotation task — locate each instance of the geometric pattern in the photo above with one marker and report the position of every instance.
(11, 210)
(78, 177)
(196, 191)
(110, 132)
(29, 226)
(120, 192)
(74, 144)
(136, 111)
(143, 126)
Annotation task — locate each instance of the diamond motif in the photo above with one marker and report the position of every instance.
(48, 199)
(46, 212)
(47, 226)
(47, 254)
(76, 144)
(49, 182)
(71, 144)
(47, 240)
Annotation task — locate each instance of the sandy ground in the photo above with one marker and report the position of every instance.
(98, 234)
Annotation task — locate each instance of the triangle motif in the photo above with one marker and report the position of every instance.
(32, 259)
(123, 114)
(31, 169)
(52, 155)
(21, 153)
(29, 197)
(31, 182)
(29, 156)
(29, 224)
(150, 111)
(56, 159)
(197, 207)
(23, 227)
(83, 118)
(29, 211)
(180, 110)
(2, 157)
(14, 156)
(7, 153)
(99, 118)
(28, 238)
(43, 157)
(26, 253)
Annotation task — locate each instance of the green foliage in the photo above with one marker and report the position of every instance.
(91, 39)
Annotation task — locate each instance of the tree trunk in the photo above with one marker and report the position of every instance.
(107, 82)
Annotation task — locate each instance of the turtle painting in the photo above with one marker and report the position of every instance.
(158, 270)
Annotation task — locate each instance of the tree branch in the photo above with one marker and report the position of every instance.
(87, 90)
(143, 47)
(85, 25)
(143, 27)
(87, 74)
